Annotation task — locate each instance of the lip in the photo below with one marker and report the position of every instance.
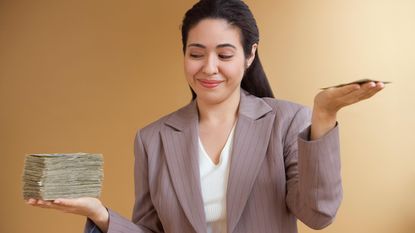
(209, 83)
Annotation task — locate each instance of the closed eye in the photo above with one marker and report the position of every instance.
(225, 57)
(195, 55)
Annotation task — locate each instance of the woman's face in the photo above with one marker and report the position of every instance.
(214, 61)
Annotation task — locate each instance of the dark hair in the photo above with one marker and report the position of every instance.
(236, 13)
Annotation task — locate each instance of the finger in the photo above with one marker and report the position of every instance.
(374, 86)
(67, 209)
(352, 97)
(73, 206)
(368, 85)
(36, 203)
(31, 201)
(344, 90)
(51, 205)
(371, 90)
(69, 205)
(380, 85)
(43, 204)
(364, 89)
(66, 202)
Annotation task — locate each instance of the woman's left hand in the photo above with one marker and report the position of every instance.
(328, 102)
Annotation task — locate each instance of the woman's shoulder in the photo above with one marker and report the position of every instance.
(173, 119)
(285, 107)
(289, 114)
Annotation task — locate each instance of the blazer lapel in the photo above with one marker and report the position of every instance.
(180, 141)
(251, 140)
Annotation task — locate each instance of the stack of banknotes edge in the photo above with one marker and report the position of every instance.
(62, 175)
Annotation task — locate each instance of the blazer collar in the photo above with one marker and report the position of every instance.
(249, 106)
(180, 142)
(252, 106)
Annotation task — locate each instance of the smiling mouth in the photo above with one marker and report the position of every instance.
(210, 83)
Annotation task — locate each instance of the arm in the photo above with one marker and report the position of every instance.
(314, 190)
(312, 159)
(100, 219)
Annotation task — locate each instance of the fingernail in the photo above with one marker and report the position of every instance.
(372, 84)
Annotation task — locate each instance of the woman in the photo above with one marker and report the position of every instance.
(235, 159)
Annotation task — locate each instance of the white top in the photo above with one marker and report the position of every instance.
(214, 181)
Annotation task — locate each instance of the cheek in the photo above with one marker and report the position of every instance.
(233, 71)
(191, 68)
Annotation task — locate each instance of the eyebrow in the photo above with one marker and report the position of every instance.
(219, 46)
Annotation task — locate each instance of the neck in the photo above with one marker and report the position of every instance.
(225, 111)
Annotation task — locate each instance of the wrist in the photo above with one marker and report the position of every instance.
(100, 216)
(321, 122)
(323, 115)
(101, 219)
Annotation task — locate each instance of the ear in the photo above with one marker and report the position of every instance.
(251, 57)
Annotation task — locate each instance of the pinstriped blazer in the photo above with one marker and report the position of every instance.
(276, 174)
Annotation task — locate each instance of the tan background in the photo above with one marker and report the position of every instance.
(84, 75)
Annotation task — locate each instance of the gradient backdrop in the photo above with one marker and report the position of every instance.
(85, 75)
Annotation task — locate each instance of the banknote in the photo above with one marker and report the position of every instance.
(360, 81)
(63, 175)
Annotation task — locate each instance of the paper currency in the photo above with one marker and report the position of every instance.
(71, 175)
(360, 81)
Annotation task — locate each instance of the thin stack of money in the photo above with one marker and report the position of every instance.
(52, 176)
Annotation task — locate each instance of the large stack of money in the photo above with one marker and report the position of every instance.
(52, 176)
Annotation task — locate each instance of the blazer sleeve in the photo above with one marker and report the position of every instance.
(145, 218)
(314, 189)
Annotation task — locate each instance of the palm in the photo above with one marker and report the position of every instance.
(86, 206)
(333, 99)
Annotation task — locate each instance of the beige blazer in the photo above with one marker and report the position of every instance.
(276, 175)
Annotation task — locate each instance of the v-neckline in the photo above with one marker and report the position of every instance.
(206, 155)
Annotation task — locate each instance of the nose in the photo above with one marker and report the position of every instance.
(211, 65)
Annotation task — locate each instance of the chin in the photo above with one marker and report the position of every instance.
(214, 97)
(211, 98)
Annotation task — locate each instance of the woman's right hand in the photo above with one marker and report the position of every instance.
(86, 206)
